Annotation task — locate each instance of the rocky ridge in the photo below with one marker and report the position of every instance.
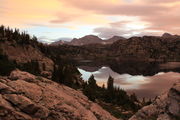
(60, 42)
(168, 35)
(23, 54)
(88, 39)
(165, 107)
(148, 48)
(24, 96)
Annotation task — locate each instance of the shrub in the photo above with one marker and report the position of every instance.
(6, 66)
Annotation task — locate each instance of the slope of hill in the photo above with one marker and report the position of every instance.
(148, 48)
(25, 53)
(24, 96)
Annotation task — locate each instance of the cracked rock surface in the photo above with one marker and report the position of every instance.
(24, 96)
(165, 107)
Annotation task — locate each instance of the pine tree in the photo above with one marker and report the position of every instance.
(133, 97)
(34, 38)
(90, 89)
(103, 86)
(110, 83)
(92, 82)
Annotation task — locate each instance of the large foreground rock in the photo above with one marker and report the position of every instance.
(165, 107)
(24, 96)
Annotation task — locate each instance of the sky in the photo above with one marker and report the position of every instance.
(51, 20)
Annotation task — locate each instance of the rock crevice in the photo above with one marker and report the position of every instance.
(24, 96)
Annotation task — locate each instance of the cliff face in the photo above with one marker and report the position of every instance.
(165, 107)
(24, 96)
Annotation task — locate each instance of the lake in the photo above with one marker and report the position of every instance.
(148, 86)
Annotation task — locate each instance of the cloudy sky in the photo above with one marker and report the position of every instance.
(50, 20)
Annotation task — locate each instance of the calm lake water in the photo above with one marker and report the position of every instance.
(142, 86)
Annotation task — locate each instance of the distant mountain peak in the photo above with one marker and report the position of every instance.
(93, 36)
(114, 39)
(89, 39)
(60, 42)
(167, 35)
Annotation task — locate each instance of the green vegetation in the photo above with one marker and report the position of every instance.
(64, 71)
(91, 88)
(6, 66)
(16, 37)
(111, 96)
(67, 74)
(113, 99)
(31, 67)
(7, 34)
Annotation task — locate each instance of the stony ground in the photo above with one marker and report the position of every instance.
(24, 96)
(165, 107)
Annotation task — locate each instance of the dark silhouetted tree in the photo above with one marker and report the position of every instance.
(92, 82)
(6, 66)
(110, 83)
(90, 89)
(134, 97)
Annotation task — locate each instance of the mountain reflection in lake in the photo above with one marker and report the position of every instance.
(143, 86)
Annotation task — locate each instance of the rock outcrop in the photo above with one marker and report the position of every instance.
(165, 107)
(24, 96)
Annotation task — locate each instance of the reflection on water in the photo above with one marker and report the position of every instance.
(143, 86)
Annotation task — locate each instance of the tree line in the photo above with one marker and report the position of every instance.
(110, 94)
(64, 72)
